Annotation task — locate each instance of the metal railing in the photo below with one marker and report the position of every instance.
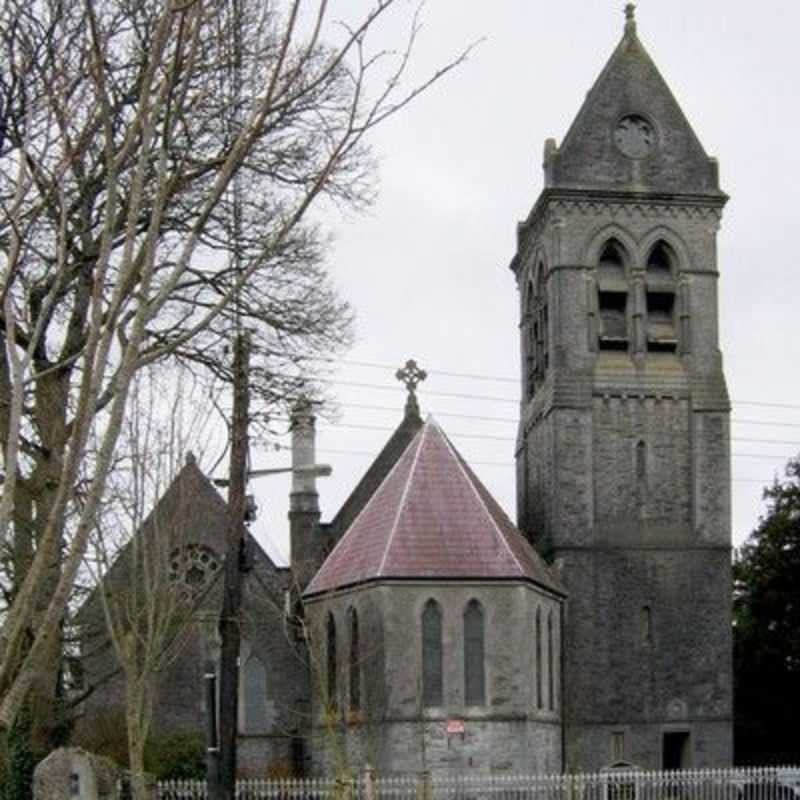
(758, 783)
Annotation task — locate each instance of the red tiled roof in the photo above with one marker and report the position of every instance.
(431, 518)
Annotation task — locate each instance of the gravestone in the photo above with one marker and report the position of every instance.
(71, 773)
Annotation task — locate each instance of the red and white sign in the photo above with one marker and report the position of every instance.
(455, 726)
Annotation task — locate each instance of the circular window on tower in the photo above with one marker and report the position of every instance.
(635, 136)
(192, 567)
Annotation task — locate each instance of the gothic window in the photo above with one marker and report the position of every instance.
(254, 696)
(641, 462)
(192, 568)
(551, 683)
(538, 346)
(432, 683)
(647, 625)
(355, 662)
(612, 261)
(331, 661)
(612, 297)
(660, 273)
(538, 646)
(617, 745)
(474, 672)
(661, 261)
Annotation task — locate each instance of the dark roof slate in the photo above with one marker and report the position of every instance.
(377, 472)
(431, 518)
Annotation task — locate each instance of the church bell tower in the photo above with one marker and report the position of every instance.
(623, 454)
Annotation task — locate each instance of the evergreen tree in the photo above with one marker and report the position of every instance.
(767, 630)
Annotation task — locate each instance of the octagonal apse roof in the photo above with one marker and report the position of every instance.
(431, 518)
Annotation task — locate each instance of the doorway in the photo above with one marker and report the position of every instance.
(675, 750)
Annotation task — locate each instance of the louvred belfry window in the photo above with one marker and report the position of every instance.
(538, 332)
(612, 298)
(661, 328)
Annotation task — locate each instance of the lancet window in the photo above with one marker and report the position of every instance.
(538, 346)
(355, 662)
(474, 664)
(432, 676)
(332, 666)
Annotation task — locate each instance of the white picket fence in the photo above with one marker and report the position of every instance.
(761, 783)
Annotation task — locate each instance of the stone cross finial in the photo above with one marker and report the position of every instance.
(411, 375)
(630, 18)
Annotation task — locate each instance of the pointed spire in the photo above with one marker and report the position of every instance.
(630, 19)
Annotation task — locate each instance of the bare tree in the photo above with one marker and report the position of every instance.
(148, 612)
(124, 129)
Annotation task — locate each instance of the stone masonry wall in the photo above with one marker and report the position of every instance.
(511, 732)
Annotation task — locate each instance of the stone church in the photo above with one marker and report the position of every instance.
(420, 628)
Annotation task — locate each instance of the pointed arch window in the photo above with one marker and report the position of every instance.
(612, 261)
(647, 625)
(254, 696)
(661, 261)
(432, 677)
(331, 661)
(612, 297)
(660, 291)
(538, 658)
(551, 664)
(474, 655)
(538, 346)
(355, 662)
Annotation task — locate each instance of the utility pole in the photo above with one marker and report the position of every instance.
(231, 617)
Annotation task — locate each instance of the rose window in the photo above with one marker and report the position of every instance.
(193, 567)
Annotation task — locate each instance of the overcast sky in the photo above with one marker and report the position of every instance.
(427, 267)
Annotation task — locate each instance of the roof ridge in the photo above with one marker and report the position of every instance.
(481, 502)
(402, 502)
(363, 511)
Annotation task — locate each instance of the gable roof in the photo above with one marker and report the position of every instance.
(431, 518)
(630, 84)
(190, 511)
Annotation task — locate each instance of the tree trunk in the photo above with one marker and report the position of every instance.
(137, 737)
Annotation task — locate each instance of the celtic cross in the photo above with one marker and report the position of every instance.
(411, 375)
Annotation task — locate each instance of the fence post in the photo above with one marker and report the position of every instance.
(425, 786)
(368, 788)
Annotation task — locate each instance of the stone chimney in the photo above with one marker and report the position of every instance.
(306, 544)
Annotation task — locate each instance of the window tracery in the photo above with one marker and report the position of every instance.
(192, 568)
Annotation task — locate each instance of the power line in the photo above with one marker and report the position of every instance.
(766, 422)
(435, 413)
(428, 392)
(514, 420)
(516, 381)
(461, 435)
(504, 464)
